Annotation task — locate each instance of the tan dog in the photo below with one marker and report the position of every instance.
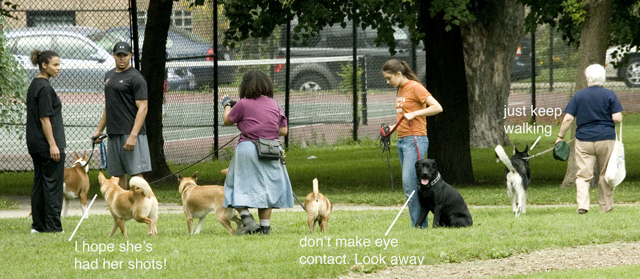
(318, 209)
(76, 183)
(139, 203)
(198, 201)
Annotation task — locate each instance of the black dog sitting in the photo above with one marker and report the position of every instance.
(446, 203)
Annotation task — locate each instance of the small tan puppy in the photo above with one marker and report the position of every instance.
(198, 201)
(318, 209)
(139, 203)
(76, 183)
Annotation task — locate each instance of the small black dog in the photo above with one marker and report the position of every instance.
(446, 203)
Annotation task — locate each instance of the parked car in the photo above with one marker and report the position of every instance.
(84, 60)
(184, 44)
(627, 66)
(335, 41)
(522, 65)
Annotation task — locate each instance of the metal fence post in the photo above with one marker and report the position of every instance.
(215, 79)
(363, 93)
(533, 75)
(354, 81)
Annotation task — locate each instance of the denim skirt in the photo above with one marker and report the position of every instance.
(256, 183)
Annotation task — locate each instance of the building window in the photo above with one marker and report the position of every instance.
(182, 19)
(179, 18)
(142, 17)
(51, 18)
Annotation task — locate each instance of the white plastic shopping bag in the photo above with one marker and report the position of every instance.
(615, 167)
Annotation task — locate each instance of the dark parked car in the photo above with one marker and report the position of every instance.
(335, 41)
(184, 44)
(522, 66)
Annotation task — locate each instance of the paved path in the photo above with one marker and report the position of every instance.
(99, 207)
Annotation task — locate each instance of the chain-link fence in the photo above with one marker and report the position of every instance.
(320, 105)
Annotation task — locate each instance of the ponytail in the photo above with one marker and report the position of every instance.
(38, 57)
(394, 65)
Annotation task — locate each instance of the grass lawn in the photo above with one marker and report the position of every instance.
(285, 253)
(348, 173)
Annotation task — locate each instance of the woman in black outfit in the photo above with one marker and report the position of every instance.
(46, 143)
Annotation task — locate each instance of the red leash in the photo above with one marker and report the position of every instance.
(414, 139)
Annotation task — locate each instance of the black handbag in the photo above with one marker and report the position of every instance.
(268, 148)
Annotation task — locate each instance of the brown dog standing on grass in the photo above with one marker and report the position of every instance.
(139, 203)
(318, 209)
(198, 201)
(76, 183)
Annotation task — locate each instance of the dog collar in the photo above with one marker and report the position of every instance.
(436, 180)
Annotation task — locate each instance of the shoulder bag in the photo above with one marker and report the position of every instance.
(616, 170)
(268, 148)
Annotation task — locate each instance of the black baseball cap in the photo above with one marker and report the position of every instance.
(121, 47)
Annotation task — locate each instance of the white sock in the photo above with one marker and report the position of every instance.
(245, 212)
(264, 222)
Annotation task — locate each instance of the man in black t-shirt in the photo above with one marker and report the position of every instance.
(125, 91)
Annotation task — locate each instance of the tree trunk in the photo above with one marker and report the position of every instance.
(594, 35)
(153, 68)
(448, 131)
(489, 54)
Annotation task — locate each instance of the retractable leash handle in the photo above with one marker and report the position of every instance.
(385, 133)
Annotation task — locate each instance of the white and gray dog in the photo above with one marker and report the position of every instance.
(517, 175)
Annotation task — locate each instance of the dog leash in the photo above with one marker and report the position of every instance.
(103, 155)
(205, 157)
(93, 146)
(543, 152)
(414, 139)
(385, 142)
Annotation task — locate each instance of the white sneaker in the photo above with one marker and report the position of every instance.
(34, 231)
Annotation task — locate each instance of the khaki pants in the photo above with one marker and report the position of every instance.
(588, 153)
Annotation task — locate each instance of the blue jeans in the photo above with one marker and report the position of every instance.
(408, 159)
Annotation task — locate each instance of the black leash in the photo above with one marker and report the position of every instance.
(205, 157)
(294, 195)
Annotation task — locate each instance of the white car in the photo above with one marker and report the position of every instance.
(83, 62)
(628, 69)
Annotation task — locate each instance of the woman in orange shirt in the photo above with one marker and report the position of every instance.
(413, 103)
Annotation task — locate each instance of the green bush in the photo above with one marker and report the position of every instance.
(13, 86)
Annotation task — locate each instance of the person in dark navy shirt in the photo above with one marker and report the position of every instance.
(596, 110)
(46, 143)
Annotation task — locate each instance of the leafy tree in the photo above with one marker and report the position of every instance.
(6, 8)
(13, 86)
